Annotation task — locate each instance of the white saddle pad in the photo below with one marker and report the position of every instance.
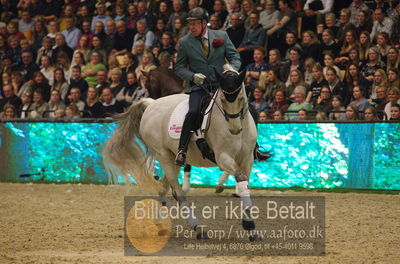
(178, 116)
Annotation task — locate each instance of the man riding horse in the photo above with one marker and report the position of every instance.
(201, 53)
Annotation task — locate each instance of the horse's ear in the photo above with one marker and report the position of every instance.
(239, 80)
(147, 74)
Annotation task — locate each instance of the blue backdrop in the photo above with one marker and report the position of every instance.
(310, 155)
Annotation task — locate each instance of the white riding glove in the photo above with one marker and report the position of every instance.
(198, 78)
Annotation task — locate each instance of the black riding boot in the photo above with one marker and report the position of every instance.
(184, 140)
(258, 155)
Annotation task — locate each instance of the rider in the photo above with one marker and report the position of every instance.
(200, 52)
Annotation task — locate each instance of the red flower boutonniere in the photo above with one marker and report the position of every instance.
(218, 42)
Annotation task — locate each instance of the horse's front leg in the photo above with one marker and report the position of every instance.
(228, 164)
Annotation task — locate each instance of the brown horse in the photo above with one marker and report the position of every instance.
(162, 82)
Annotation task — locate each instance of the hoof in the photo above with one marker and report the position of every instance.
(219, 188)
(201, 236)
(255, 238)
(235, 195)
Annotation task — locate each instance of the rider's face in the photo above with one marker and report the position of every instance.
(196, 27)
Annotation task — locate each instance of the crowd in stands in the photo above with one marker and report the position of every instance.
(305, 59)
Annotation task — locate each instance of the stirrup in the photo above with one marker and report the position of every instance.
(180, 158)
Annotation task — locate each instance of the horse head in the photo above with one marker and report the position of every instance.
(233, 99)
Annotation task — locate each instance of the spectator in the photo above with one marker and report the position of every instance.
(144, 34)
(259, 103)
(71, 33)
(302, 115)
(254, 36)
(84, 15)
(311, 46)
(275, 64)
(115, 76)
(337, 87)
(78, 81)
(233, 6)
(28, 66)
(381, 24)
(280, 103)
(51, 9)
(236, 31)
(45, 50)
(328, 43)
(119, 13)
(109, 41)
(145, 65)
(110, 105)
(54, 104)
(393, 98)
(102, 81)
(146, 16)
(72, 112)
(308, 66)
(26, 105)
(295, 79)
(126, 93)
(90, 70)
(365, 45)
(247, 8)
(370, 114)
(75, 98)
(86, 31)
(269, 82)
(359, 100)
(253, 70)
(14, 50)
(393, 78)
(77, 60)
(262, 116)
(352, 112)
(47, 69)
(39, 105)
(324, 101)
(101, 15)
(123, 38)
(278, 115)
(395, 112)
(338, 110)
(9, 112)
(270, 16)
(215, 23)
(382, 40)
(321, 116)
(52, 30)
(393, 59)
(180, 29)
(299, 103)
(93, 107)
(9, 97)
(317, 84)
(60, 83)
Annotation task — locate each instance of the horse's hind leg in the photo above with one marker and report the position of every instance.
(221, 182)
(186, 178)
(165, 188)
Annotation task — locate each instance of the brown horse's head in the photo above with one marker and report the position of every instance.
(162, 82)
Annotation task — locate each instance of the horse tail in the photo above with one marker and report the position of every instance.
(124, 155)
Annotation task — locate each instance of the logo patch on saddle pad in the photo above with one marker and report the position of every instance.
(178, 116)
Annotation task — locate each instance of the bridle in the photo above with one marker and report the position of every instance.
(242, 111)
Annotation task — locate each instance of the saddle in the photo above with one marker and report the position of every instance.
(178, 116)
